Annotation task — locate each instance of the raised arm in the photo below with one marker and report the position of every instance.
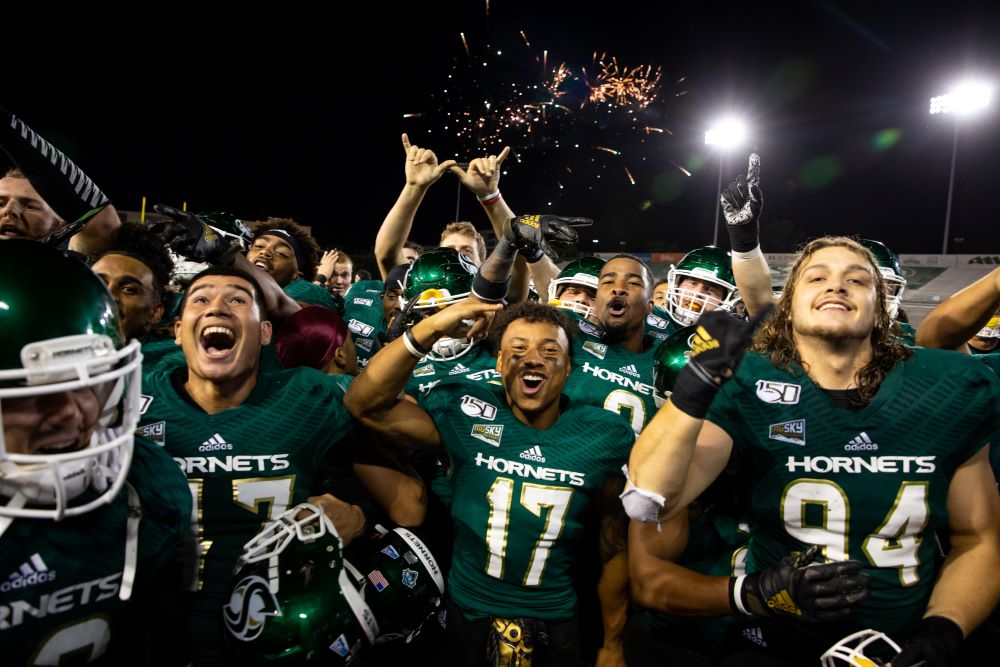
(422, 170)
(374, 396)
(962, 315)
(90, 222)
(679, 453)
(742, 203)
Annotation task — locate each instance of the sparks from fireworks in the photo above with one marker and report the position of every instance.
(538, 118)
(624, 86)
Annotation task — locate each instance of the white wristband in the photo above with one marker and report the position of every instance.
(747, 256)
(738, 595)
(410, 348)
(492, 195)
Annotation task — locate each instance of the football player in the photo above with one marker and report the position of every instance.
(89, 514)
(821, 416)
(525, 469)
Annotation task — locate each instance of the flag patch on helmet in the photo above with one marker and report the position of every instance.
(378, 580)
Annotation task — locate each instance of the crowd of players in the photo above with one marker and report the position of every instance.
(219, 447)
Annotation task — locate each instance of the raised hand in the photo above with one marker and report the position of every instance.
(719, 343)
(468, 318)
(742, 202)
(329, 261)
(533, 235)
(191, 237)
(483, 175)
(421, 167)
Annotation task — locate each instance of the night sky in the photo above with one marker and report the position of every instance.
(300, 115)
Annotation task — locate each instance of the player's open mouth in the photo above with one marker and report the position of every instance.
(617, 307)
(218, 342)
(66, 440)
(12, 231)
(531, 383)
(834, 305)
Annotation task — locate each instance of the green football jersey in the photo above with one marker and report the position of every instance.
(157, 349)
(611, 377)
(869, 485)
(365, 317)
(476, 365)
(60, 580)
(304, 291)
(521, 496)
(659, 325)
(244, 466)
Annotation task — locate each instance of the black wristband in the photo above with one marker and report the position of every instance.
(692, 393)
(321, 279)
(408, 335)
(743, 238)
(489, 291)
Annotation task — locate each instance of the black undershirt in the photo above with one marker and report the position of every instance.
(846, 399)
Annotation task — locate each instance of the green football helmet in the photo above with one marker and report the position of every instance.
(399, 579)
(708, 264)
(437, 279)
(61, 334)
(292, 601)
(670, 357)
(888, 265)
(583, 272)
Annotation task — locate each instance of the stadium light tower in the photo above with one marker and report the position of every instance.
(966, 99)
(726, 134)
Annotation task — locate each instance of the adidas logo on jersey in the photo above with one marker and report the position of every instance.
(755, 635)
(32, 571)
(860, 443)
(782, 601)
(629, 370)
(214, 444)
(458, 370)
(533, 454)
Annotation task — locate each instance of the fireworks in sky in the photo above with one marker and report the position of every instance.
(550, 112)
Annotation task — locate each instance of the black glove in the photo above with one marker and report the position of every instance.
(935, 642)
(718, 345)
(189, 236)
(812, 593)
(533, 235)
(741, 204)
